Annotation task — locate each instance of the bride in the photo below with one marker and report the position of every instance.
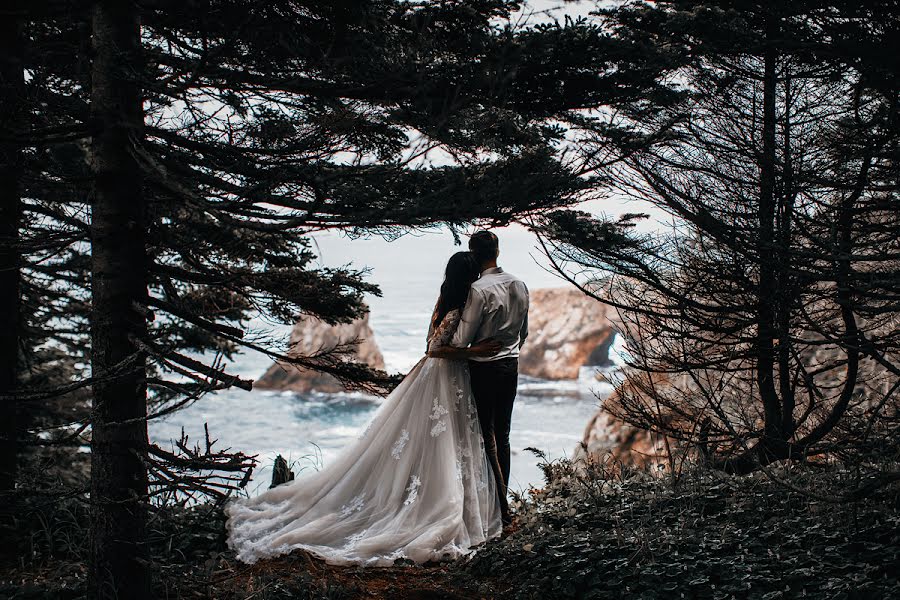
(417, 485)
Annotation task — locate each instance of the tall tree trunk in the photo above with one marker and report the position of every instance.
(119, 565)
(768, 294)
(785, 266)
(12, 90)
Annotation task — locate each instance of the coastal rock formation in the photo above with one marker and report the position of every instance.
(567, 330)
(310, 336)
(606, 435)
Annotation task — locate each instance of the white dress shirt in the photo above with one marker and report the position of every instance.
(497, 308)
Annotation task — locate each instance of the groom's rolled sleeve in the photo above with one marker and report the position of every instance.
(523, 333)
(470, 321)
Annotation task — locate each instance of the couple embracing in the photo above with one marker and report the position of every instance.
(428, 478)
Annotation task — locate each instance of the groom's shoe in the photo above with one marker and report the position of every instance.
(510, 527)
(507, 516)
(508, 530)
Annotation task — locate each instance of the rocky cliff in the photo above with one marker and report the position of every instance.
(310, 336)
(607, 436)
(567, 330)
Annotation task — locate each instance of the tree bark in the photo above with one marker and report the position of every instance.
(12, 90)
(119, 565)
(768, 294)
(785, 266)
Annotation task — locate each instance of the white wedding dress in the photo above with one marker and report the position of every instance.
(417, 484)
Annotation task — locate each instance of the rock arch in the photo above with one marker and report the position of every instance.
(567, 330)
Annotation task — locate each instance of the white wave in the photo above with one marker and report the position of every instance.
(340, 431)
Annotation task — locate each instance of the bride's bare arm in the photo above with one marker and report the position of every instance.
(488, 347)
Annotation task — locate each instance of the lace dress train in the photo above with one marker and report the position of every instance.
(416, 485)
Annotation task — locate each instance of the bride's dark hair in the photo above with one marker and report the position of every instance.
(462, 269)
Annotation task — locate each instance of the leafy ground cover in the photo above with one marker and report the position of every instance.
(594, 534)
(708, 536)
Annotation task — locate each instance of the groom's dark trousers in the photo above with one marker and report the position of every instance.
(494, 388)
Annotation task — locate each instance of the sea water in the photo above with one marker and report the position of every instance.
(310, 429)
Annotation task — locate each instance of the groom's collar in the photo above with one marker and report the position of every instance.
(492, 271)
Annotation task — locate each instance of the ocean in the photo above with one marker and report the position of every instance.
(309, 430)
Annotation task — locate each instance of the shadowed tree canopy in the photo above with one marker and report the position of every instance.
(760, 326)
(267, 122)
(177, 155)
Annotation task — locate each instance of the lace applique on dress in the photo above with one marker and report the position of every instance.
(439, 428)
(438, 410)
(461, 472)
(413, 489)
(354, 539)
(400, 444)
(443, 333)
(460, 394)
(353, 506)
(473, 416)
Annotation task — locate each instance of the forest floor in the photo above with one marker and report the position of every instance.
(631, 536)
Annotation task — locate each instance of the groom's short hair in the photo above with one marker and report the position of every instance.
(484, 245)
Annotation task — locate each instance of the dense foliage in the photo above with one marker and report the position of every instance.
(760, 324)
(605, 532)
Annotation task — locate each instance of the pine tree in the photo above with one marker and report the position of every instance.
(119, 281)
(12, 83)
(221, 135)
(749, 323)
(53, 240)
(240, 152)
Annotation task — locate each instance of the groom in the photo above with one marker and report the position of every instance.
(497, 308)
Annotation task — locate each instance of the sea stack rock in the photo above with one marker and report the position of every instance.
(309, 336)
(566, 331)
